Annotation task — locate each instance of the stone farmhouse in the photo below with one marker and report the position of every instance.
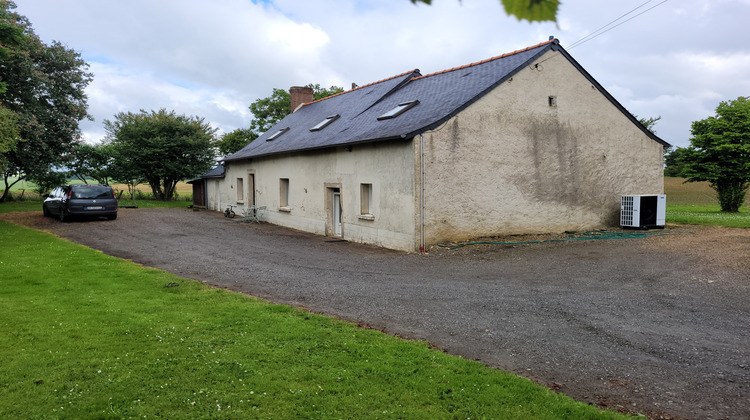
(526, 142)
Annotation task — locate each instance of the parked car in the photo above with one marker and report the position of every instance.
(70, 201)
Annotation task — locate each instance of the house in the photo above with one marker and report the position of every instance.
(200, 187)
(527, 142)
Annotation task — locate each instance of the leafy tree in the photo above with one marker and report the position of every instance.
(268, 111)
(122, 172)
(235, 140)
(91, 162)
(161, 147)
(46, 181)
(649, 123)
(531, 10)
(8, 134)
(43, 85)
(719, 153)
(674, 163)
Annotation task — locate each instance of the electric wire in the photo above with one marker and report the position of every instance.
(606, 28)
(599, 31)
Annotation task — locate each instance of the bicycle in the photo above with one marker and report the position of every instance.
(229, 212)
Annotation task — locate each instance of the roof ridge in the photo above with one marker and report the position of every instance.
(364, 86)
(551, 41)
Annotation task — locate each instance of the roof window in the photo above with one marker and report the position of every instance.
(323, 124)
(400, 109)
(277, 134)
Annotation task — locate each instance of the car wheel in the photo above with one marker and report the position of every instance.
(112, 217)
(45, 212)
(63, 216)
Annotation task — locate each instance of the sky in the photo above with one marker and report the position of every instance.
(677, 60)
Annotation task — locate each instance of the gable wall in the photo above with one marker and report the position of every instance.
(510, 163)
(216, 197)
(387, 166)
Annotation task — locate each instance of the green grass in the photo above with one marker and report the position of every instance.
(695, 203)
(36, 205)
(155, 203)
(709, 215)
(85, 335)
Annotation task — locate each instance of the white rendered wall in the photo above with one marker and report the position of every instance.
(510, 163)
(388, 166)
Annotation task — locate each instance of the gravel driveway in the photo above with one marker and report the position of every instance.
(659, 325)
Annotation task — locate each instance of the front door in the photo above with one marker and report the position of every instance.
(337, 212)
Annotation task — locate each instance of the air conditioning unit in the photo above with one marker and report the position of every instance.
(643, 211)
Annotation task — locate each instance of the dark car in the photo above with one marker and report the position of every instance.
(70, 201)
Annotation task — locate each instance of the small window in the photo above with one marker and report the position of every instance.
(323, 124)
(400, 109)
(284, 192)
(365, 197)
(276, 135)
(552, 100)
(240, 190)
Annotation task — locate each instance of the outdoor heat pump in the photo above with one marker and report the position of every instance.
(643, 211)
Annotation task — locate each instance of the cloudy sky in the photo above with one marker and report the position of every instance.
(677, 60)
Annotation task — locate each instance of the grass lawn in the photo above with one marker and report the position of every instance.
(86, 335)
(695, 203)
(36, 205)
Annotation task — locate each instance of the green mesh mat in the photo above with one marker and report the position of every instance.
(579, 236)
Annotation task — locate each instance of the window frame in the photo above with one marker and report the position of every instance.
(284, 194)
(398, 110)
(277, 134)
(240, 186)
(365, 201)
(325, 123)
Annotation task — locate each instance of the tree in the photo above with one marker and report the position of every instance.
(674, 162)
(43, 86)
(46, 181)
(91, 162)
(268, 111)
(719, 153)
(8, 134)
(122, 172)
(649, 123)
(531, 10)
(161, 147)
(235, 140)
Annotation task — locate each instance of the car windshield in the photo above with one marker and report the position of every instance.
(92, 192)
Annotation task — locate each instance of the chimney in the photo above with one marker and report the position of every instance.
(300, 95)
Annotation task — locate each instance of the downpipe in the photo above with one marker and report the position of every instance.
(421, 193)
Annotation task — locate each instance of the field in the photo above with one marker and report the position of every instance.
(24, 191)
(695, 203)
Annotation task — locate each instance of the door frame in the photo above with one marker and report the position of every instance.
(329, 190)
(250, 188)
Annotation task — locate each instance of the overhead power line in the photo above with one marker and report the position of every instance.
(613, 24)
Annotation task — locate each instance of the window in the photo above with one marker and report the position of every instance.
(284, 192)
(365, 197)
(240, 190)
(365, 202)
(276, 135)
(552, 100)
(321, 125)
(400, 109)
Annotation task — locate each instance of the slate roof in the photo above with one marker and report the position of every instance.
(216, 172)
(441, 96)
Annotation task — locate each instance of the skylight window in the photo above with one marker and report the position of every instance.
(276, 135)
(400, 109)
(321, 125)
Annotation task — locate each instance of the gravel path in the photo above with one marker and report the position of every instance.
(659, 325)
